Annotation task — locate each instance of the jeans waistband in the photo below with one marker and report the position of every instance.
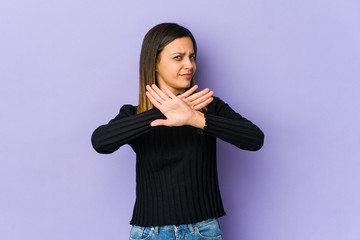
(183, 226)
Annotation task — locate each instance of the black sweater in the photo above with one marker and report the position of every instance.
(176, 169)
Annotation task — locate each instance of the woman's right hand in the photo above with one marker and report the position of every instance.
(176, 111)
(197, 100)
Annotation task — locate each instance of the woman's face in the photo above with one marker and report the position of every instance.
(176, 65)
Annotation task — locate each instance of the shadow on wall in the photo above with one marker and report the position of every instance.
(238, 173)
(238, 170)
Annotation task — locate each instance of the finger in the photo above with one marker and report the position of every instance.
(203, 98)
(159, 122)
(159, 92)
(153, 100)
(198, 94)
(154, 94)
(203, 104)
(190, 91)
(168, 92)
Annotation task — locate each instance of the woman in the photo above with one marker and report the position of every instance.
(173, 131)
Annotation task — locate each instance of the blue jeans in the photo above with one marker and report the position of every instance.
(208, 229)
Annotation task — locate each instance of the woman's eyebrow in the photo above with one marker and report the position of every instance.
(182, 53)
(175, 53)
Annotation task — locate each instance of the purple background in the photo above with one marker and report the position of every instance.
(291, 67)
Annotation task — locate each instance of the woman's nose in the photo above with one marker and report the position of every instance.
(188, 64)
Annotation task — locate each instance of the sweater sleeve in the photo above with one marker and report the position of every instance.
(230, 126)
(126, 126)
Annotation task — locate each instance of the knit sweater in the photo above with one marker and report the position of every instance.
(176, 169)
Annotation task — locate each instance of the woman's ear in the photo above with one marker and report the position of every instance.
(157, 60)
(156, 65)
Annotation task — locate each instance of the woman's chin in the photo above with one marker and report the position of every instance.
(183, 88)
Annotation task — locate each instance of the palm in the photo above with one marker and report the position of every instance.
(176, 111)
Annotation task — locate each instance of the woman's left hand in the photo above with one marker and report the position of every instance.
(176, 111)
(197, 100)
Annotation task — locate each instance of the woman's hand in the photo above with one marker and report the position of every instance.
(197, 100)
(176, 111)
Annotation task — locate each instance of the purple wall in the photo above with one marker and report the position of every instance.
(292, 67)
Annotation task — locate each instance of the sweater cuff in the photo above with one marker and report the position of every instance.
(201, 131)
(214, 124)
(146, 117)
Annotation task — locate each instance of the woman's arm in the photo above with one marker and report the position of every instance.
(228, 125)
(220, 121)
(126, 126)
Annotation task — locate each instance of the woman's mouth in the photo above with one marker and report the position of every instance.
(188, 76)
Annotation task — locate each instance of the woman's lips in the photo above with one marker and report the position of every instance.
(186, 75)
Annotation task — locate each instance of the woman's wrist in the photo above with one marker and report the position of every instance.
(198, 120)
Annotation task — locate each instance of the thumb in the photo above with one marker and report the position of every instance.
(159, 122)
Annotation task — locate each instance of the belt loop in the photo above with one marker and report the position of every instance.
(191, 228)
(156, 230)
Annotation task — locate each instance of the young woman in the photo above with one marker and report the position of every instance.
(173, 131)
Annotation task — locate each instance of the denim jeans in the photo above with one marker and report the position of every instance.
(208, 229)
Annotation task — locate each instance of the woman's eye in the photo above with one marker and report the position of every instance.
(180, 57)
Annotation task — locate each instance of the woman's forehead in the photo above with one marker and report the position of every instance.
(181, 45)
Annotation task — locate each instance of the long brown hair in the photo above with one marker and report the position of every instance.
(154, 42)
